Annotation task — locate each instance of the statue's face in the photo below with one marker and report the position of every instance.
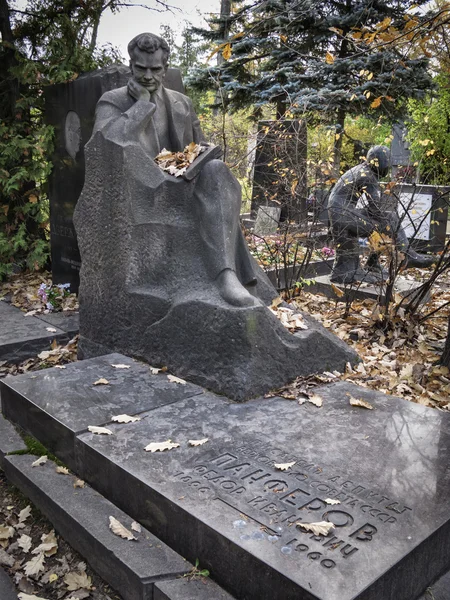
(148, 69)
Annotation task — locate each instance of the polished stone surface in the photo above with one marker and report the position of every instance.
(81, 517)
(10, 440)
(68, 321)
(7, 588)
(226, 504)
(22, 337)
(53, 405)
(357, 291)
(188, 589)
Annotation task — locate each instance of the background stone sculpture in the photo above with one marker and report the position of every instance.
(350, 222)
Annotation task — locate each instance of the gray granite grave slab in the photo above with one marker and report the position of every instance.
(439, 590)
(186, 589)
(22, 337)
(81, 516)
(53, 405)
(7, 588)
(227, 504)
(323, 285)
(10, 440)
(66, 320)
(267, 219)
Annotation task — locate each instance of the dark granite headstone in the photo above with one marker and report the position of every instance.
(70, 109)
(424, 209)
(281, 145)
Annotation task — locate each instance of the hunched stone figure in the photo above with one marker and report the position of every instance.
(161, 118)
(349, 222)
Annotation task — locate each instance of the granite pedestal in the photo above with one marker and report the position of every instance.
(227, 504)
(22, 337)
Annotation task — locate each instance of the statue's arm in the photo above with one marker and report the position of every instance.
(110, 118)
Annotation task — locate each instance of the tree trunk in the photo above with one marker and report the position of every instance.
(339, 134)
(445, 358)
(225, 12)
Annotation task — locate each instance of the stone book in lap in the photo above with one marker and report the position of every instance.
(166, 273)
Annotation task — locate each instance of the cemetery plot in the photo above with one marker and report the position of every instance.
(235, 501)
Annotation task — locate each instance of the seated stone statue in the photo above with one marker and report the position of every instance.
(166, 274)
(349, 222)
(165, 119)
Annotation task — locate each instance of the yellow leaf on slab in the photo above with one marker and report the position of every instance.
(125, 419)
(284, 466)
(174, 379)
(120, 366)
(360, 402)
(40, 461)
(62, 470)
(316, 400)
(161, 446)
(331, 501)
(321, 528)
(101, 381)
(198, 442)
(118, 529)
(79, 483)
(99, 430)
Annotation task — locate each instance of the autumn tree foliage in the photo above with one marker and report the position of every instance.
(317, 58)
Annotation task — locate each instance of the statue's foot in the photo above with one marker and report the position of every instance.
(421, 261)
(232, 291)
(357, 276)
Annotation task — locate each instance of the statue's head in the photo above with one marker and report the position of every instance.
(149, 56)
(379, 160)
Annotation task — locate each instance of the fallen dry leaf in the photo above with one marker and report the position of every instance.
(49, 544)
(339, 293)
(120, 366)
(51, 329)
(62, 470)
(321, 528)
(34, 566)
(75, 581)
(6, 532)
(25, 542)
(284, 466)
(40, 461)
(136, 527)
(24, 514)
(23, 596)
(101, 381)
(78, 483)
(331, 501)
(198, 442)
(161, 446)
(174, 379)
(316, 400)
(155, 370)
(99, 430)
(360, 402)
(118, 529)
(125, 419)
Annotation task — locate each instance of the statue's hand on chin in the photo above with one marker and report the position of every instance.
(138, 91)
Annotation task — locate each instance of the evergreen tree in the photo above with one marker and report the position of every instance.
(316, 57)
